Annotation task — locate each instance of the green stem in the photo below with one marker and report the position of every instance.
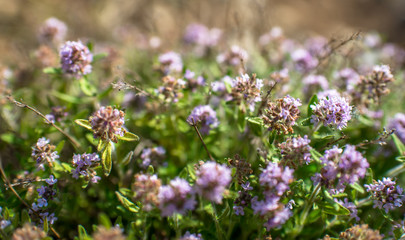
(396, 171)
(217, 226)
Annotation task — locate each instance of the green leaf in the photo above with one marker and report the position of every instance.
(60, 145)
(315, 155)
(150, 170)
(46, 225)
(82, 232)
(241, 120)
(104, 220)
(25, 217)
(87, 88)
(128, 136)
(314, 100)
(191, 171)
(357, 187)
(130, 206)
(6, 213)
(306, 122)
(106, 160)
(400, 158)
(68, 98)
(333, 209)
(99, 56)
(255, 125)
(84, 123)
(398, 143)
(52, 70)
(255, 120)
(127, 158)
(314, 215)
(272, 136)
(102, 144)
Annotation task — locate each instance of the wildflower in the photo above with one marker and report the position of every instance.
(247, 89)
(351, 207)
(152, 156)
(57, 114)
(282, 114)
(212, 179)
(201, 35)
(375, 84)
(352, 165)
(171, 88)
(334, 111)
(348, 78)
(272, 211)
(398, 123)
(51, 180)
(317, 46)
(204, 115)
(295, 151)
(52, 31)
(177, 197)
(275, 33)
(85, 164)
(303, 60)
(114, 233)
(220, 86)
(107, 123)
(30, 232)
(43, 153)
(243, 200)
(170, 62)
(75, 59)
(192, 81)
(275, 180)
(4, 224)
(189, 236)
(234, 57)
(243, 168)
(312, 82)
(385, 194)
(146, 190)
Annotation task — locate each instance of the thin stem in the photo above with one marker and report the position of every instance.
(217, 226)
(202, 141)
(22, 200)
(23, 105)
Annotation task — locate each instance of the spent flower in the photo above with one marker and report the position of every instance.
(44, 153)
(107, 123)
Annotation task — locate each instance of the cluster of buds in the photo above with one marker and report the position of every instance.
(75, 59)
(107, 123)
(43, 152)
(146, 190)
(375, 84)
(85, 164)
(386, 194)
(171, 89)
(282, 114)
(295, 151)
(245, 88)
(358, 232)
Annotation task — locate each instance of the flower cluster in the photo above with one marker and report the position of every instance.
(359, 232)
(85, 164)
(243, 200)
(75, 59)
(170, 62)
(212, 179)
(146, 190)
(43, 152)
(28, 231)
(398, 123)
(201, 35)
(332, 111)
(282, 114)
(114, 233)
(152, 156)
(234, 57)
(189, 236)
(376, 83)
(274, 181)
(107, 123)
(303, 60)
(245, 88)
(386, 194)
(192, 81)
(295, 151)
(46, 194)
(171, 89)
(314, 82)
(204, 115)
(52, 31)
(347, 167)
(177, 197)
(348, 78)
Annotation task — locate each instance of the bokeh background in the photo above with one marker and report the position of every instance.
(109, 21)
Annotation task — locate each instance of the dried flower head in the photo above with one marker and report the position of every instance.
(43, 152)
(212, 179)
(360, 232)
(146, 190)
(170, 62)
(386, 194)
(52, 31)
(177, 197)
(85, 164)
(243, 168)
(171, 89)
(28, 232)
(234, 57)
(205, 116)
(282, 114)
(332, 111)
(245, 88)
(75, 59)
(376, 83)
(295, 151)
(107, 123)
(103, 233)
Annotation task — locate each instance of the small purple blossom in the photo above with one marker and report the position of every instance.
(348, 79)
(295, 151)
(4, 224)
(204, 115)
(85, 164)
(75, 58)
(303, 60)
(51, 180)
(193, 81)
(212, 179)
(177, 197)
(43, 153)
(317, 46)
(351, 207)
(272, 211)
(152, 156)
(201, 35)
(334, 111)
(52, 31)
(275, 180)
(352, 165)
(248, 89)
(386, 194)
(171, 62)
(189, 236)
(234, 57)
(398, 123)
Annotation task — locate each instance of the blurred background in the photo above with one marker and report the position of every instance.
(109, 21)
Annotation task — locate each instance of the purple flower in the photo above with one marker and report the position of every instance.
(146, 190)
(43, 152)
(212, 179)
(85, 164)
(317, 46)
(330, 93)
(272, 211)
(152, 156)
(177, 197)
(349, 79)
(192, 81)
(107, 123)
(171, 62)
(201, 35)
(56, 115)
(4, 224)
(385, 194)
(51, 180)
(398, 123)
(312, 82)
(75, 58)
(189, 236)
(204, 115)
(351, 207)
(220, 86)
(248, 89)
(234, 56)
(295, 151)
(52, 31)
(352, 165)
(303, 60)
(334, 111)
(275, 180)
